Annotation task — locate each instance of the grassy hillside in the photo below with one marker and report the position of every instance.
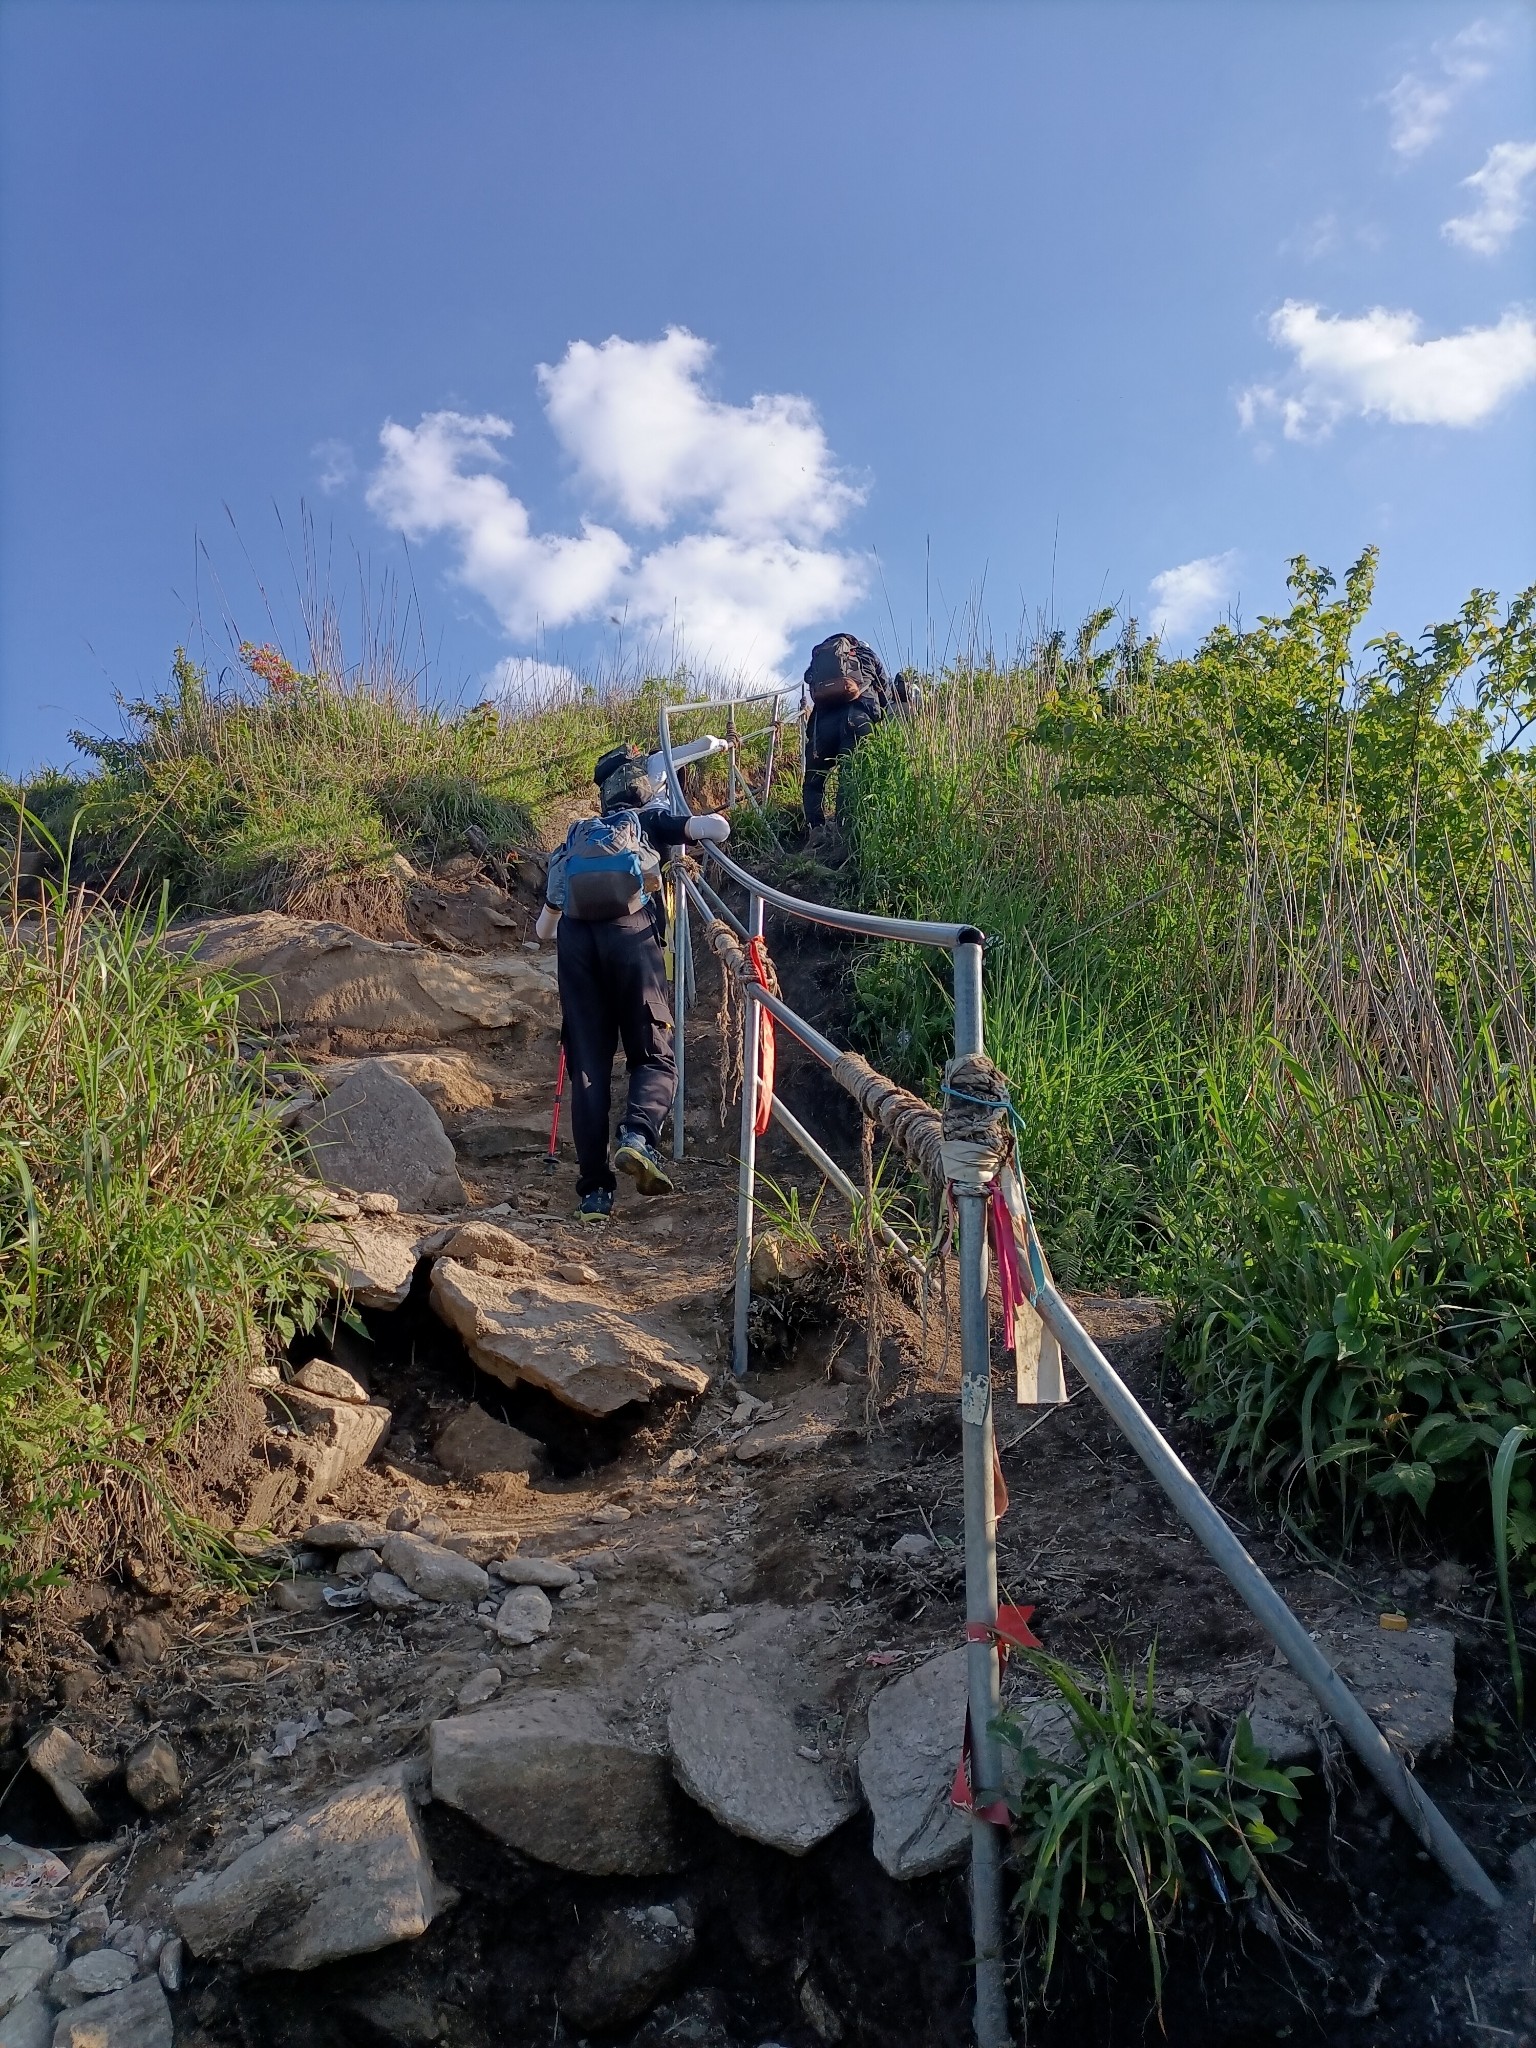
(1265, 985)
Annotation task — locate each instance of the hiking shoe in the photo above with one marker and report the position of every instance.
(596, 1207)
(638, 1157)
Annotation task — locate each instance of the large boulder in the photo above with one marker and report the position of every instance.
(593, 1357)
(349, 1877)
(312, 977)
(375, 1131)
(737, 1753)
(447, 1080)
(1405, 1680)
(333, 1438)
(549, 1777)
(907, 1764)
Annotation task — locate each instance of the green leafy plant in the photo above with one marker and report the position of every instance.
(150, 1245)
(1522, 1522)
(1139, 1823)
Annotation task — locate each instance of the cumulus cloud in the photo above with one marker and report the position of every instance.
(1421, 102)
(734, 506)
(1193, 594)
(1376, 366)
(1501, 204)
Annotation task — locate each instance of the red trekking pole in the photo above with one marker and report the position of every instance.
(554, 1122)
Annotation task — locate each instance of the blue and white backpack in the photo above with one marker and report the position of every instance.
(606, 867)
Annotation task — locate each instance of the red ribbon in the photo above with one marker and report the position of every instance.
(767, 1043)
(1010, 1631)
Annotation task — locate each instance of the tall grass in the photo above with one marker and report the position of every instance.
(1265, 985)
(150, 1247)
(315, 790)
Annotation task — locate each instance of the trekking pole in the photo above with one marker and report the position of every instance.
(554, 1122)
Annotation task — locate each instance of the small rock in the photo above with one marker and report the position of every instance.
(344, 1536)
(535, 1571)
(602, 1564)
(135, 2017)
(476, 1446)
(153, 1775)
(547, 1776)
(140, 1642)
(339, 1717)
(577, 1275)
(434, 1573)
(914, 1547)
(170, 1963)
(24, 1973)
(334, 1381)
(776, 1258)
(358, 1564)
(66, 1769)
(634, 1957)
(716, 1624)
(349, 1877)
(524, 1616)
(1449, 1579)
(609, 1512)
(735, 1752)
(391, 1595)
(96, 1975)
(433, 1528)
(298, 1596)
(402, 1517)
(679, 1462)
(274, 1818)
(485, 1546)
(379, 1204)
(484, 1685)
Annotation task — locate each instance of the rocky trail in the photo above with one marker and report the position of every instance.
(598, 1695)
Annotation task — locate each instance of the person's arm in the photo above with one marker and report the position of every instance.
(549, 918)
(666, 829)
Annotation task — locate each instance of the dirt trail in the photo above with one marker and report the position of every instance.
(771, 1535)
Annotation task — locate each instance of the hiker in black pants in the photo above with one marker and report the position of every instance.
(850, 693)
(605, 915)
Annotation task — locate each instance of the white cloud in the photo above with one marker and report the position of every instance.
(751, 493)
(1193, 594)
(1501, 206)
(1375, 365)
(338, 465)
(1420, 104)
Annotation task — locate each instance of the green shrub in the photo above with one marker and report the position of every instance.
(1140, 1823)
(1263, 977)
(150, 1248)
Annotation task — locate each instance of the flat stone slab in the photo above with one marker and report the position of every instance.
(735, 1752)
(375, 1131)
(1405, 1680)
(431, 1571)
(349, 1877)
(374, 1258)
(548, 1776)
(593, 1357)
(325, 976)
(907, 1765)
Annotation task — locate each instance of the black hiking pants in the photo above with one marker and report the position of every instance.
(613, 989)
(834, 730)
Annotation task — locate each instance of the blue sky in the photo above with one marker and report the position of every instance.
(881, 314)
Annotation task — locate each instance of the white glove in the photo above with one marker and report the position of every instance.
(549, 917)
(711, 827)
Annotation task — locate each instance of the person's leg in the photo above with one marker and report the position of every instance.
(590, 1029)
(813, 791)
(638, 977)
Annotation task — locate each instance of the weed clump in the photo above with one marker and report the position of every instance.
(150, 1246)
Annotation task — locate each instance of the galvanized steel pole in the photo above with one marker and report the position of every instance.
(679, 995)
(751, 1028)
(980, 1552)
